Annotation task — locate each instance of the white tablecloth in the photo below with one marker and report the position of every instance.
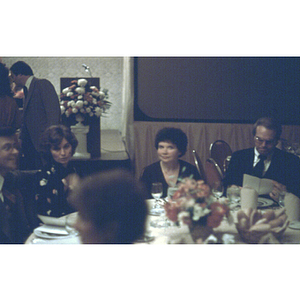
(174, 234)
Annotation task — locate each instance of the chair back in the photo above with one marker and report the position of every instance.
(199, 165)
(212, 171)
(221, 152)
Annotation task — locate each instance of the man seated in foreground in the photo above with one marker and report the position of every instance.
(282, 167)
(111, 208)
(14, 226)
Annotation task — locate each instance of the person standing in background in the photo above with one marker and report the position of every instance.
(9, 110)
(40, 110)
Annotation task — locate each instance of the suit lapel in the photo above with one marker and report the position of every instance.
(249, 161)
(11, 197)
(30, 91)
(273, 168)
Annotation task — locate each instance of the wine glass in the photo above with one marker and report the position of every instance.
(158, 208)
(217, 189)
(156, 192)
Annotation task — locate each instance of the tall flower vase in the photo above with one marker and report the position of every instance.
(80, 131)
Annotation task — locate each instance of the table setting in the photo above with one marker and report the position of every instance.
(191, 214)
(55, 231)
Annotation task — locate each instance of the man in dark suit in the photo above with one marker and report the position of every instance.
(14, 227)
(282, 167)
(41, 109)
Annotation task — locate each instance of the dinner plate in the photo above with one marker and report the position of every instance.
(47, 235)
(294, 225)
(263, 202)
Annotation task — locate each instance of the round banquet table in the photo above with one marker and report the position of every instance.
(173, 234)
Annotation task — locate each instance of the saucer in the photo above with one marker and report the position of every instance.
(263, 202)
(294, 225)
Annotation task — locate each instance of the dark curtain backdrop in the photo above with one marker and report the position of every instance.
(217, 89)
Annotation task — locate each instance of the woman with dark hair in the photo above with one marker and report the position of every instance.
(58, 145)
(9, 110)
(170, 143)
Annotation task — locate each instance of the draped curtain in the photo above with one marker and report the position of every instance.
(127, 102)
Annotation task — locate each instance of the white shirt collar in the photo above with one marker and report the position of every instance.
(28, 82)
(267, 161)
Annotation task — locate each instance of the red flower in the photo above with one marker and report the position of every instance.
(218, 211)
(172, 211)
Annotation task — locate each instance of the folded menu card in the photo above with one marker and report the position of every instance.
(53, 225)
(263, 186)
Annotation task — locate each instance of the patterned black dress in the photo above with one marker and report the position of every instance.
(51, 196)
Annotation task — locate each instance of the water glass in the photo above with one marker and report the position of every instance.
(217, 189)
(281, 198)
(234, 194)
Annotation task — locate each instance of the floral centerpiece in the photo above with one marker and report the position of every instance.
(194, 205)
(81, 99)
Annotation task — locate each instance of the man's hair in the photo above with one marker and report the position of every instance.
(113, 196)
(20, 67)
(7, 131)
(269, 123)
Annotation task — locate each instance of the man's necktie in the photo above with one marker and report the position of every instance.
(25, 90)
(259, 167)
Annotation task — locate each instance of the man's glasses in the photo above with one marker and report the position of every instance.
(268, 142)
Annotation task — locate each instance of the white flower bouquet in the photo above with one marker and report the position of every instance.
(80, 98)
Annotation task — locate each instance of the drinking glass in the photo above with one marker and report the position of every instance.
(281, 198)
(158, 208)
(156, 192)
(217, 189)
(233, 194)
(171, 191)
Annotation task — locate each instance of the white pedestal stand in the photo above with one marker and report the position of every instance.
(80, 131)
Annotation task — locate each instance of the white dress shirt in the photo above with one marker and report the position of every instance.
(267, 161)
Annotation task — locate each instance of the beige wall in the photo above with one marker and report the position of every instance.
(109, 69)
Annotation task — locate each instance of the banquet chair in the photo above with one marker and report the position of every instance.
(221, 152)
(199, 165)
(212, 171)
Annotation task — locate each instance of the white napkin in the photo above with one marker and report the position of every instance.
(52, 230)
(53, 221)
(248, 198)
(52, 225)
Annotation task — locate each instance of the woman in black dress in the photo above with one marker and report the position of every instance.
(170, 143)
(58, 145)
